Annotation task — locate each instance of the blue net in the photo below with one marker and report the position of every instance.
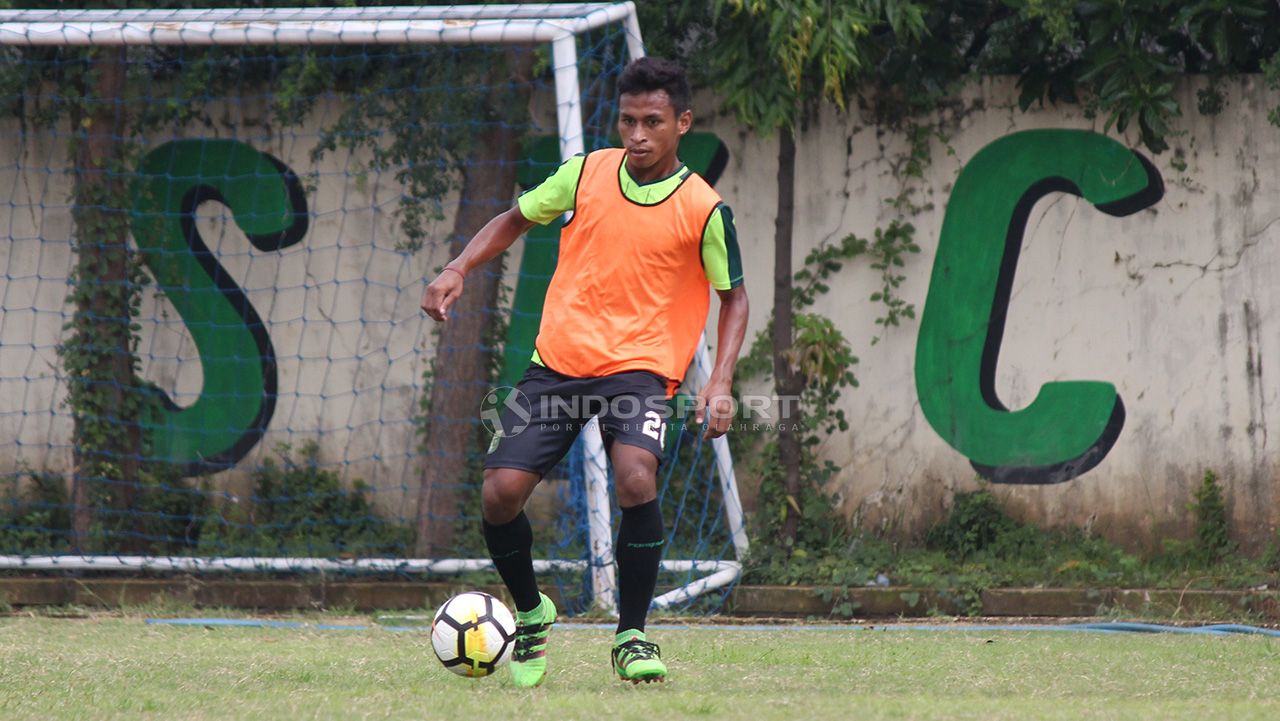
(211, 344)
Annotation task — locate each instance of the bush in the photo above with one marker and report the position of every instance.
(1271, 557)
(164, 518)
(299, 509)
(37, 519)
(977, 523)
(1211, 541)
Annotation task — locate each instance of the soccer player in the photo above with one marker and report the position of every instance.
(623, 315)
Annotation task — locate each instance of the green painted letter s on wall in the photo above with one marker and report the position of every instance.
(1071, 425)
(265, 198)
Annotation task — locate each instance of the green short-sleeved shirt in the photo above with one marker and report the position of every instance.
(721, 259)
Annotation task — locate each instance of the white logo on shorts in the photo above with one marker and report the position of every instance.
(498, 400)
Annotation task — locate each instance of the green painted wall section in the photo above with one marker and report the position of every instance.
(238, 361)
(1071, 424)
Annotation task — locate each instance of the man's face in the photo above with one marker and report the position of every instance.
(650, 128)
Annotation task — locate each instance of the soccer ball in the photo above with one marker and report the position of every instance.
(473, 634)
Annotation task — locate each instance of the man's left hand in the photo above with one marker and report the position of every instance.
(715, 410)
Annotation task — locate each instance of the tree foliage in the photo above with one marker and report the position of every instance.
(1121, 59)
(774, 63)
(1118, 59)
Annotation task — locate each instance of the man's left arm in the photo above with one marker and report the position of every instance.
(722, 262)
(715, 406)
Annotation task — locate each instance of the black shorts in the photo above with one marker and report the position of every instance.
(542, 417)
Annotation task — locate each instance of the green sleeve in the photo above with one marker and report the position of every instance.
(554, 196)
(721, 259)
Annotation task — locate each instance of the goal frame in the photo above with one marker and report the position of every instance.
(556, 23)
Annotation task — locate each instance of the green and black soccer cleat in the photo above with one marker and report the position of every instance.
(637, 660)
(529, 658)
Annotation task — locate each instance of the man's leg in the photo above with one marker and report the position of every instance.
(507, 532)
(640, 534)
(634, 427)
(639, 554)
(510, 541)
(533, 437)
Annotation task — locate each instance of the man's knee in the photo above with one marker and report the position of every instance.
(504, 493)
(635, 483)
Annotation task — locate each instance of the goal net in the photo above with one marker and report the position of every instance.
(219, 226)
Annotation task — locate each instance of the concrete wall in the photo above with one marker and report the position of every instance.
(1171, 306)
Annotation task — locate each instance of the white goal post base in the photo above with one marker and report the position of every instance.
(720, 573)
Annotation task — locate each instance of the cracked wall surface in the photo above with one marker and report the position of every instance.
(1173, 305)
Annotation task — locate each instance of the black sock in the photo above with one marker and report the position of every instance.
(510, 547)
(639, 551)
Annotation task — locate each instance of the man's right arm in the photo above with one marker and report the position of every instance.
(551, 198)
(496, 236)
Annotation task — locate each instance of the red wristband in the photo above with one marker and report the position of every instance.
(460, 273)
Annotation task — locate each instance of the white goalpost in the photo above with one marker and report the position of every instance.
(558, 24)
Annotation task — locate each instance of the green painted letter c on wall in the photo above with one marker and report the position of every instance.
(1071, 425)
(266, 200)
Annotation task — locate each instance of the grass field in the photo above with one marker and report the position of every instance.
(115, 667)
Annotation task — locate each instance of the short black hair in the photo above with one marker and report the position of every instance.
(649, 74)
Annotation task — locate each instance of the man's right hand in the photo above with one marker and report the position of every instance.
(441, 294)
